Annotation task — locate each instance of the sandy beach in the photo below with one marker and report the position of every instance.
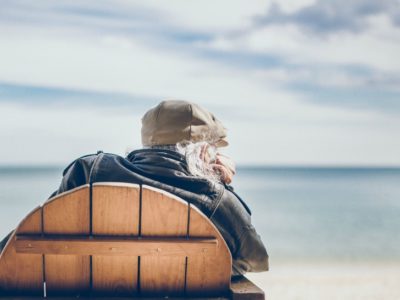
(330, 281)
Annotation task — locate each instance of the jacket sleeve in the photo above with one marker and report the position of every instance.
(251, 255)
(233, 219)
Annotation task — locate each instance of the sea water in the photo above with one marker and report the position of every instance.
(301, 213)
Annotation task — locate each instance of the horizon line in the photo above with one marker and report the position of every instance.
(239, 166)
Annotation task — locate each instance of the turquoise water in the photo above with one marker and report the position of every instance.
(319, 214)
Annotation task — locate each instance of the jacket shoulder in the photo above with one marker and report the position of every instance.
(77, 173)
(87, 160)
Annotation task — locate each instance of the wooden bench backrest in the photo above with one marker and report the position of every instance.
(115, 239)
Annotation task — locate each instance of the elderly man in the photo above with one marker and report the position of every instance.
(180, 155)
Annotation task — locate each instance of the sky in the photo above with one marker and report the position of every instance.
(294, 82)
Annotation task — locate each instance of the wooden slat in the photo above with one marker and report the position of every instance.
(115, 211)
(162, 215)
(211, 274)
(108, 246)
(68, 213)
(22, 273)
(31, 224)
(115, 276)
(67, 275)
(244, 289)
(113, 298)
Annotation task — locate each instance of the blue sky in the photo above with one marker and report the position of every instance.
(295, 82)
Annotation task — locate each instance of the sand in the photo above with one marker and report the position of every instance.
(330, 281)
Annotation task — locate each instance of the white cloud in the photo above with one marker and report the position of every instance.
(124, 65)
(208, 15)
(267, 122)
(299, 134)
(376, 48)
(61, 134)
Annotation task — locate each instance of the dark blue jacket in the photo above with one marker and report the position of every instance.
(168, 170)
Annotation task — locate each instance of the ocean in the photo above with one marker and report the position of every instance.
(304, 214)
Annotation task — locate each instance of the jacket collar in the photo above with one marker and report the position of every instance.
(162, 161)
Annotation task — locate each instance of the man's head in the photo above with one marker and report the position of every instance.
(176, 121)
(193, 132)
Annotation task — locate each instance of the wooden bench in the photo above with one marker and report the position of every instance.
(118, 239)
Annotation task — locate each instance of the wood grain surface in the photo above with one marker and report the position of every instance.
(209, 274)
(243, 289)
(115, 211)
(124, 241)
(22, 273)
(162, 215)
(66, 214)
(117, 246)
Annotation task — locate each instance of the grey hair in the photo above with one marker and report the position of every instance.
(197, 166)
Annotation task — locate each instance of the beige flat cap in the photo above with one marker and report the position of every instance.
(174, 121)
